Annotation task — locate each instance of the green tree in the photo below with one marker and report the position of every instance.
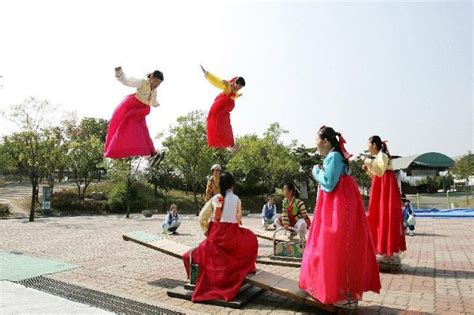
(85, 144)
(363, 180)
(86, 128)
(282, 165)
(266, 161)
(125, 172)
(56, 149)
(83, 157)
(249, 162)
(307, 158)
(162, 177)
(463, 169)
(28, 148)
(188, 153)
(7, 164)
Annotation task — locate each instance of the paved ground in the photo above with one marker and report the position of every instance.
(16, 299)
(437, 275)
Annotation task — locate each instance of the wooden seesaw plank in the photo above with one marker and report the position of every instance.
(261, 279)
(177, 250)
(268, 235)
(285, 287)
(158, 243)
(275, 261)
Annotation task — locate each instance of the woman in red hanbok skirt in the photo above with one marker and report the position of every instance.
(219, 129)
(229, 252)
(385, 204)
(339, 259)
(128, 135)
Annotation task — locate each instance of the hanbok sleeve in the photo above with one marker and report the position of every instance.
(304, 213)
(328, 176)
(154, 101)
(128, 81)
(216, 81)
(302, 209)
(209, 189)
(204, 215)
(378, 165)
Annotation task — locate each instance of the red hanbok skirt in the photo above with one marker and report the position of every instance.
(339, 260)
(225, 258)
(385, 215)
(128, 135)
(219, 129)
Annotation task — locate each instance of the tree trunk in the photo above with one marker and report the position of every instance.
(127, 200)
(155, 186)
(196, 204)
(78, 191)
(37, 192)
(165, 198)
(129, 184)
(86, 184)
(467, 191)
(33, 199)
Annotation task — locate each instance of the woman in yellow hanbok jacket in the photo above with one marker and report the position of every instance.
(219, 129)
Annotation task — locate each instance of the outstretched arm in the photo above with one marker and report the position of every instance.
(128, 81)
(154, 102)
(214, 80)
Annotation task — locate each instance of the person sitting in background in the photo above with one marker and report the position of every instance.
(409, 220)
(269, 212)
(172, 221)
(293, 213)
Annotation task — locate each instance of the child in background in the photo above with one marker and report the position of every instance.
(293, 213)
(269, 211)
(409, 220)
(172, 221)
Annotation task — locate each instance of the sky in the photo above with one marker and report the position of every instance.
(398, 69)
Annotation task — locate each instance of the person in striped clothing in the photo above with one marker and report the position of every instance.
(293, 213)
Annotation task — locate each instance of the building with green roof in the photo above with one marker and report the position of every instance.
(410, 169)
